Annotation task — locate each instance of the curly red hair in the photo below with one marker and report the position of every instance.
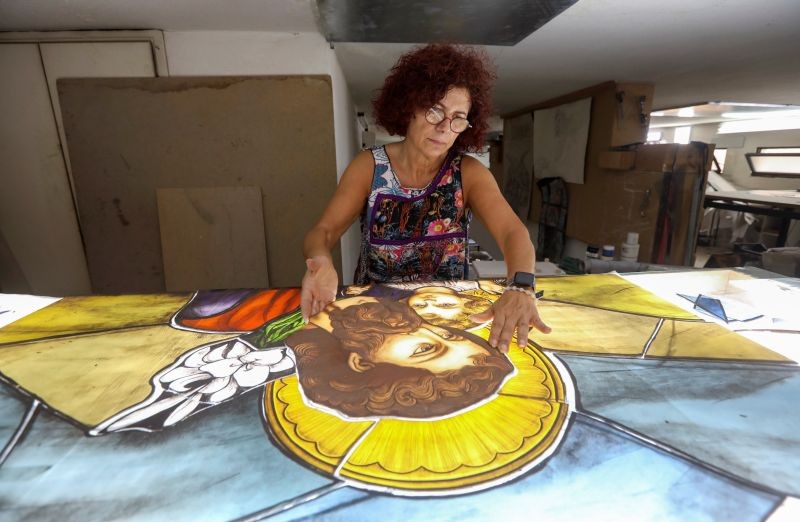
(422, 77)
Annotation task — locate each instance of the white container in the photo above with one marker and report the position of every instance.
(607, 254)
(630, 248)
(629, 252)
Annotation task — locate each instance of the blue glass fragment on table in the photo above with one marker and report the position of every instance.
(715, 307)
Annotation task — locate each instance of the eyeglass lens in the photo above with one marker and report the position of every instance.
(435, 116)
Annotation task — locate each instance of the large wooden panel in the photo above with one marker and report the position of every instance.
(212, 238)
(129, 137)
(92, 60)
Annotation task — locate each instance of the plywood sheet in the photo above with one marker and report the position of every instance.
(212, 238)
(130, 136)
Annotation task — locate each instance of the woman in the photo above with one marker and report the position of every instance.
(416, 197)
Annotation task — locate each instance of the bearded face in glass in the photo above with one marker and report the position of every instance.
(444, 306)
(382, 359)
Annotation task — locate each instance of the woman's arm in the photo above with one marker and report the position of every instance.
(514, 310)
(321, 280)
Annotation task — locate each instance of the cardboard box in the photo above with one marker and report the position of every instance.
(617, 159)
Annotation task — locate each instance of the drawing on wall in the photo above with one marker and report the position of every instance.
(392, 389)
(560, 135)
(518, 163)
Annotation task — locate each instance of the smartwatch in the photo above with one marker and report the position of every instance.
(524, 280)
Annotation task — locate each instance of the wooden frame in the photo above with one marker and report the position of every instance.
(754, 172)
(154, 37)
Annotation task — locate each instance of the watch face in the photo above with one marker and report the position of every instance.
(524, 279)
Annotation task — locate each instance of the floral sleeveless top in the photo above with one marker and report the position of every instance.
(413, 234)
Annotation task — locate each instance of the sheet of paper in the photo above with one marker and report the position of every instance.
(560, 135)
(775, 300)
(14, 307)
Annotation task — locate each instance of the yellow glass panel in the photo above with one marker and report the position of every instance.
(591, 330)
(319, 438)
(94, 376)
(465, 450)
(610, 292)
(707, 341)
(428, 445)
(73, 315)
(536, 376)
(476, 446)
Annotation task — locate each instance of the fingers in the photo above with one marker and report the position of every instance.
(306, 304)
(523, 329)
(318, 304)
(319, 287)
(502, 332)
(513, 312)
(497, 329)
(506, 334)
(311, 307)
(540, 325)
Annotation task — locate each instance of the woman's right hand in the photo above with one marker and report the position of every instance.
(319, 286)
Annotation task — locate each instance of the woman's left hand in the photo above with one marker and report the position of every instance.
(513, 311)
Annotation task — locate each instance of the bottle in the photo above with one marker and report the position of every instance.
(630, 248)
(607, 253)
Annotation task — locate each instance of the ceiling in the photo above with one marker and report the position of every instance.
(479, 22)
(692, 50)
(716, 112)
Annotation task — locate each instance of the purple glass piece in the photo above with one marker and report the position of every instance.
(213, 302)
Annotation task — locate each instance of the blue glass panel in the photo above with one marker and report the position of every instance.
(598, 474)
(743, 418)
(12, 409)
(217, 465)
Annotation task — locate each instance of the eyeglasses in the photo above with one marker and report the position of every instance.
(435, 116)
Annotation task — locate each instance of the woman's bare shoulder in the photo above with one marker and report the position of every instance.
(473, 171)
(361, 167)
(358, 173)
(365, 156)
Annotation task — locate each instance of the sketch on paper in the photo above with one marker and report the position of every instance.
(560, 135)
(518, 163)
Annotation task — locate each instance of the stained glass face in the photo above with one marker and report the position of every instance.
(227, 402)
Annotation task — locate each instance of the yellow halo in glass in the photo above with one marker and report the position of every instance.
(471, 450)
